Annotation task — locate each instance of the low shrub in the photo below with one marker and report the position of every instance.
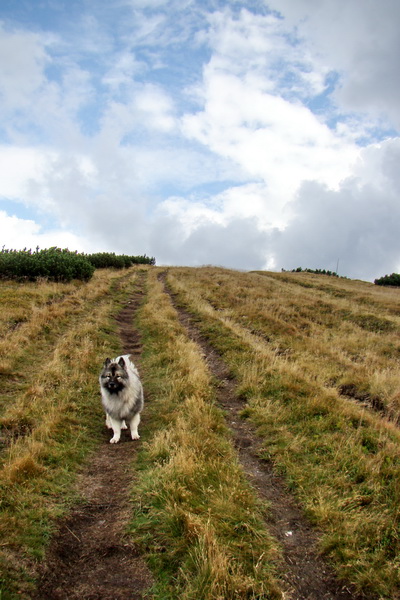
(105, 260)
(54, 263)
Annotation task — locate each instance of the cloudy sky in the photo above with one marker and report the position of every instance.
(248, 134)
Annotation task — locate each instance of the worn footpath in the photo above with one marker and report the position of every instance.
(92, 557)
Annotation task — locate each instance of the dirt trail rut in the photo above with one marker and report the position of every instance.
(91, 557)
(306, 575)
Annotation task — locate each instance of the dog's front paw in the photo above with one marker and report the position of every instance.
(135, 436)
(114, 440)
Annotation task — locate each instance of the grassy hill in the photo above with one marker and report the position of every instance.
(315, 366)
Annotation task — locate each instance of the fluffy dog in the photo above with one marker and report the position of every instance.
(121, 396)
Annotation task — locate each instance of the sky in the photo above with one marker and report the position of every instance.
(259, 134)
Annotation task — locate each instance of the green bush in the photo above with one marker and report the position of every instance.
(393, 279)
(316, 271)
(105, 260)
(54, 263)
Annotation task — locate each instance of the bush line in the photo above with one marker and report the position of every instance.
(56, 264)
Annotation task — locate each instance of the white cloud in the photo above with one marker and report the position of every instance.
(155, 108)
(247, 201)
(238, 244)
(356, 224)
(191, 133)
(191, 214)
(19, 166)
(19, 233)
(122, 71)
(360, 41)
(28, 175)
(36, 107)
(280, 142)
(248, 45)
(22, 60)
(147, 108)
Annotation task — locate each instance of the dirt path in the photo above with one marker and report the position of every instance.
(92, 558)
(306, 575)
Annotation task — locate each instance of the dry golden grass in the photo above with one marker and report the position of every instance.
(43, 318)
(314, 366)
(196, 506)
(19, 300)
(347, 343)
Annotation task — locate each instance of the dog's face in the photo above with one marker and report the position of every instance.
(114, 376)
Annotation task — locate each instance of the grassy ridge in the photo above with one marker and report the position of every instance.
(341, 459)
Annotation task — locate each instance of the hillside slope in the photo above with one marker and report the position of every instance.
(269, 461)
(317, 360)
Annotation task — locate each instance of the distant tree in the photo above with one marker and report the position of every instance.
(393, 279)
(316, 271)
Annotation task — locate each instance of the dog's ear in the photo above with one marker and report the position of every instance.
(107, 362)
(121, 362)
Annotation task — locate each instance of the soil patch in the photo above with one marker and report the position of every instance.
(92, 557)
(305, 573)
